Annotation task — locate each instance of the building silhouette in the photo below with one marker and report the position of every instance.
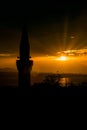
(24, 64)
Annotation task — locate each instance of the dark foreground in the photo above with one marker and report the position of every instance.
(38, 98)
(43, 91)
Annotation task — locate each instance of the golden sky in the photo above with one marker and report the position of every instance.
(61, 64)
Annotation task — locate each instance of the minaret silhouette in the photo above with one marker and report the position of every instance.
(24, 64)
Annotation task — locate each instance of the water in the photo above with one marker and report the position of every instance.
(74, 80)
(11, 79)
(66, 79)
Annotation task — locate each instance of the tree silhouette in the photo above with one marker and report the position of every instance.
(52, 79)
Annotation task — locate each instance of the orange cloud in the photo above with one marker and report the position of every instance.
(6, 55)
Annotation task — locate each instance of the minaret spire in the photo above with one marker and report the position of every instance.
(24, 64)
(24, 45)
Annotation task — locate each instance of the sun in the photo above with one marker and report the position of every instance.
(62, 58)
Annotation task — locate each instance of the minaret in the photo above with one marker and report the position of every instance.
(24, 64)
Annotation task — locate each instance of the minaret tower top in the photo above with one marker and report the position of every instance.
(24, 45)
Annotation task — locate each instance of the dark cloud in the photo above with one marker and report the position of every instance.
(46, 23)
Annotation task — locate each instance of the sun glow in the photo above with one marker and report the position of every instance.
(62, 58)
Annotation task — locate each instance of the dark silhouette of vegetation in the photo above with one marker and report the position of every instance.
(52, 80)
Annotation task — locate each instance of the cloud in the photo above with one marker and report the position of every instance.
(6, 55)
(78, 52)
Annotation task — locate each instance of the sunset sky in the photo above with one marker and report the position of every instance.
(53, 27)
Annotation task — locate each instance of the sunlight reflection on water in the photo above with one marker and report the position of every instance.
(64, 82)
